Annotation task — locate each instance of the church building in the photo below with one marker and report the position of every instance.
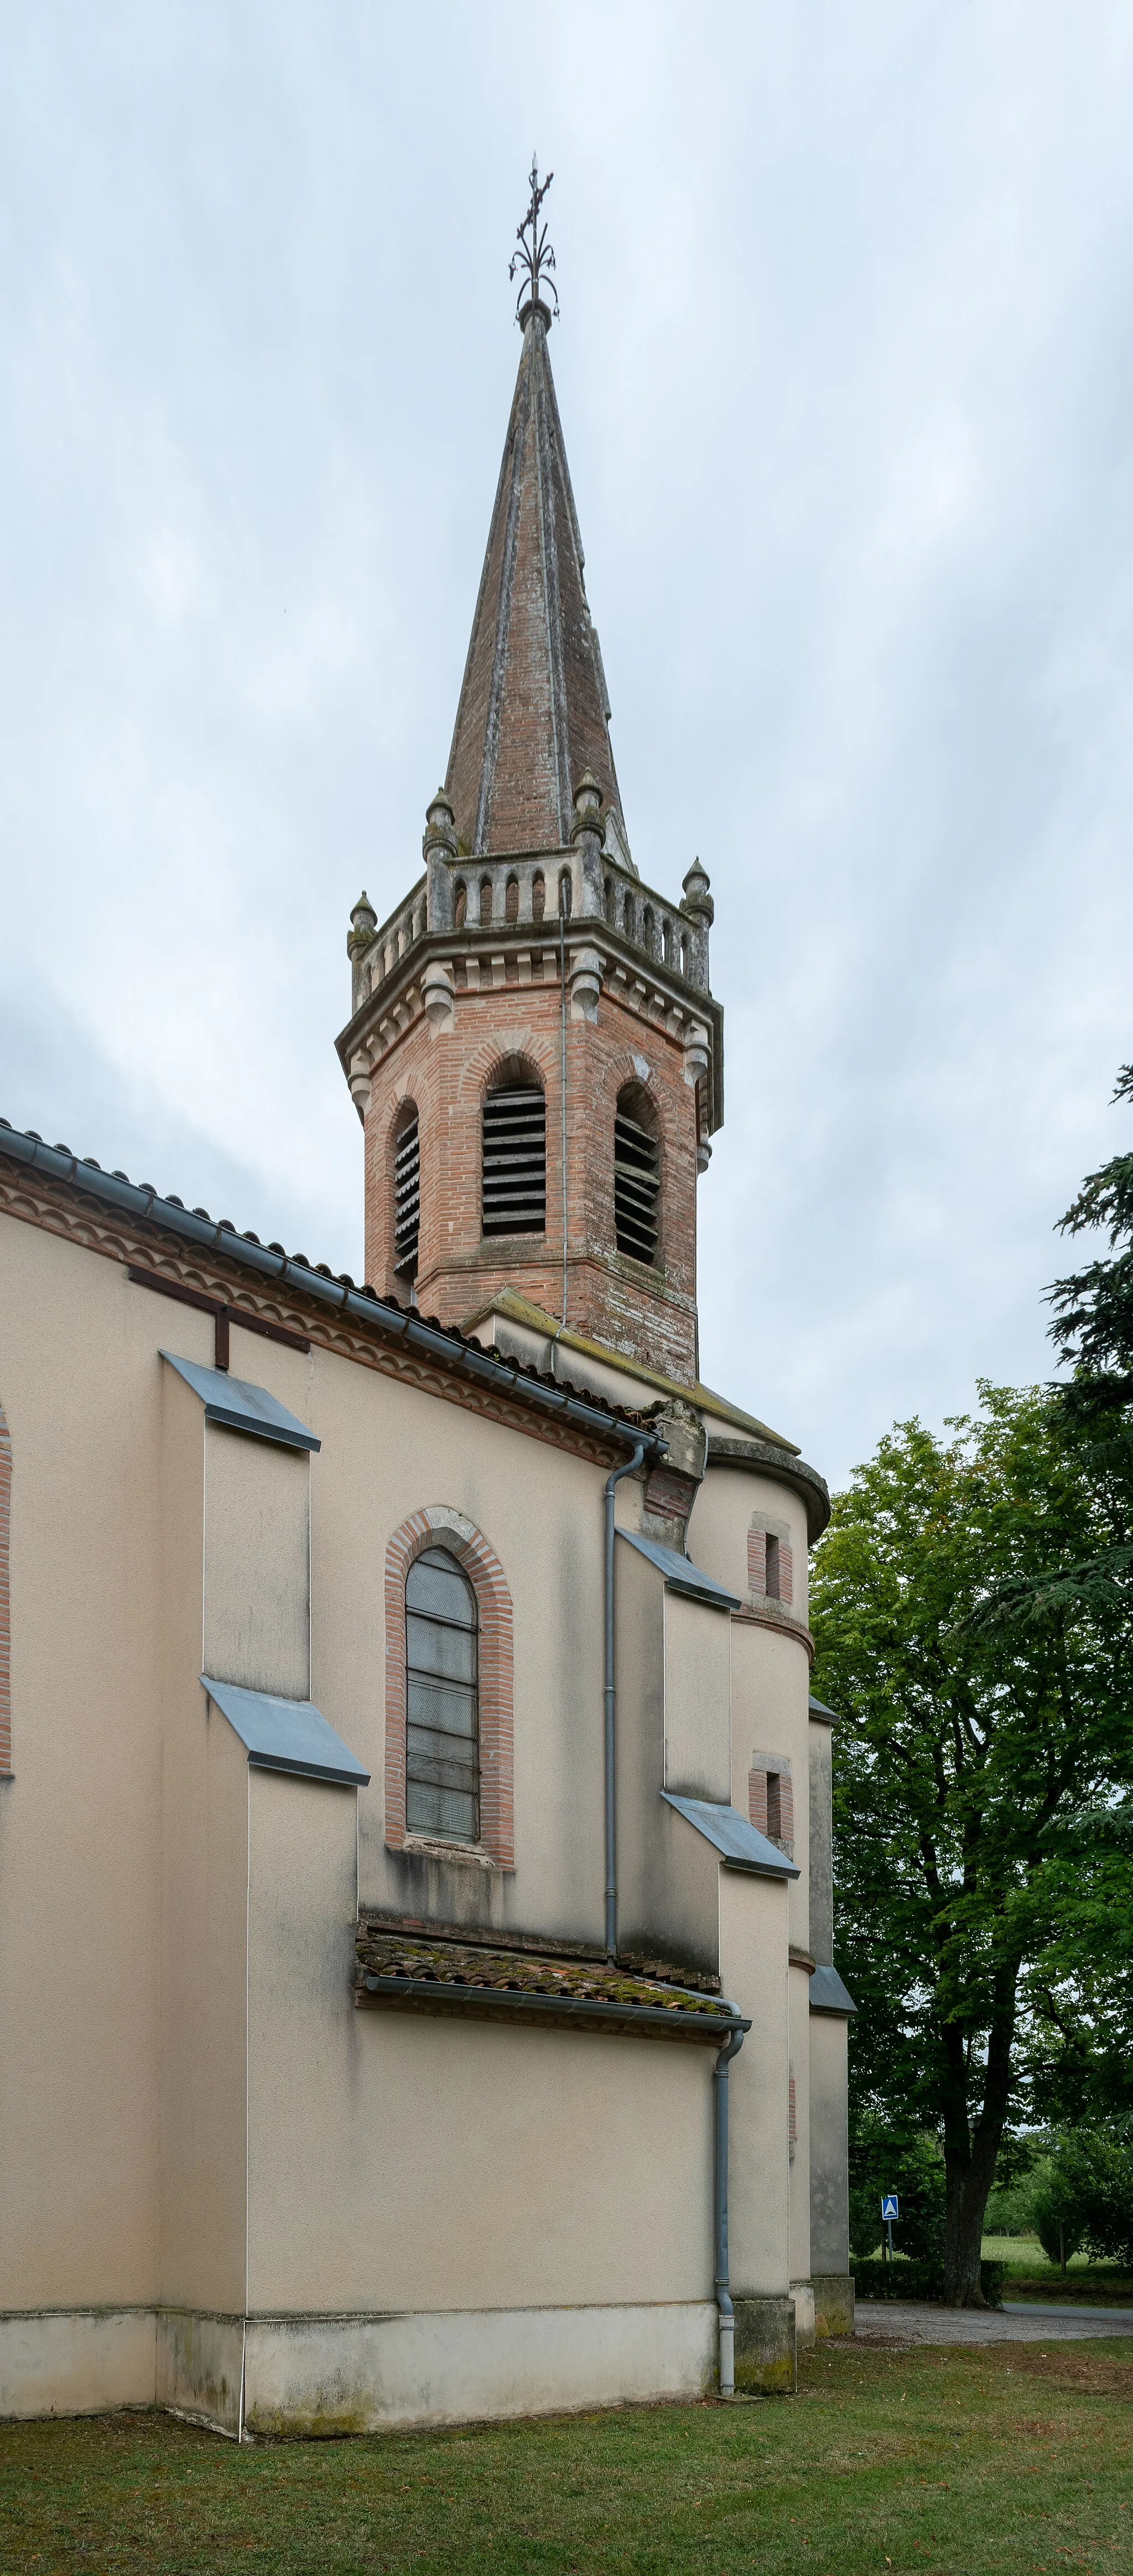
(417, 1986)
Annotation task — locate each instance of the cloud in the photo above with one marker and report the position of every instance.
(845, 370)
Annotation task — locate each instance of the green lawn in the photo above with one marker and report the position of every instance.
(1032, 2276)
(1016, 2458)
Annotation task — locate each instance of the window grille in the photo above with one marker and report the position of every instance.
(515, 1161)
(637, 1184)
(407, 1197)
(442, 1743)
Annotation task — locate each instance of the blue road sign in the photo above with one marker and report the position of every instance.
(888, 2205)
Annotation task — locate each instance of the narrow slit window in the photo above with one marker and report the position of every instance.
(637, 1186)
(407, 1197)
(774, 1807)
(515, 1161)
(442, 1736)
(771, 1562)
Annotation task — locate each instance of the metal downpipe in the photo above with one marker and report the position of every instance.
(725, 2310)
(609, 1706)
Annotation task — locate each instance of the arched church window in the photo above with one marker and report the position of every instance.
(684, 954)
(442, 1735)
(647, 930)
(406, 1191)
(515, 1157)
(485, 902)
(667, 942)
(511, 899)
(460, 913)
(630, 918)
(637, 1175)
(538, 897)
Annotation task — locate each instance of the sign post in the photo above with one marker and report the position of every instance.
(889, 2211)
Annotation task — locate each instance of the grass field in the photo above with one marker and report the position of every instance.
(1011, 2458)
(1032, 2276)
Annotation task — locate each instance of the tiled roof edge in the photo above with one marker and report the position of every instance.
(440, 1342)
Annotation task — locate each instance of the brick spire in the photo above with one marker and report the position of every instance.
(533, 712)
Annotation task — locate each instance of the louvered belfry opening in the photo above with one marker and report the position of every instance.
(515, 1159)
(637, 1181)
(406, 1196)
(442, 1744)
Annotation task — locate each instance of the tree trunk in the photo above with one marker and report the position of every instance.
(970, 2156)
(969, 2185)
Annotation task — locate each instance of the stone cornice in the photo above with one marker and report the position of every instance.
(757, 1613)
(763, 1458)
(643, 985)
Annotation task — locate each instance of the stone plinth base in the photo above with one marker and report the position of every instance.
(802, 2293)
(833, 2303)
(766, 2345)
(304, 2375)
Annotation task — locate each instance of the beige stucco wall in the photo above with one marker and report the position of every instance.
(408, 2162)
(829, 2184)
(80, 1843)
(753, 1968)
(191, 2110)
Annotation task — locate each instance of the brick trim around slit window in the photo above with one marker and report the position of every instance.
(438, 1525)
(771, 1799)
(5, 1596)
(770, 1561)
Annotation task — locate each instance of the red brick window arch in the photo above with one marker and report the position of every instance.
(5, 1596)
(637, 1175)
(513, 1168)
(437, 1527)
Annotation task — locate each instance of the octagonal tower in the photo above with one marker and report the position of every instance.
(534, 1049)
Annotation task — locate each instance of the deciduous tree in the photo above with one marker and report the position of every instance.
(974, 1749)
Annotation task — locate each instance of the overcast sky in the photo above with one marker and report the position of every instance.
(845, 365)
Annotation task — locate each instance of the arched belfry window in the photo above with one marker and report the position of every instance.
(637, 1175)
(515, 1156)
(442, 1734)
(406, 1192)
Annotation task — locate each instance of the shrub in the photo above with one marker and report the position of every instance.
(1089, 2186)
(914, 2169)
(919, 2279)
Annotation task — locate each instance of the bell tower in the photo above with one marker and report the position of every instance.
(533, 1047)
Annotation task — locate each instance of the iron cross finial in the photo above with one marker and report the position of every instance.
(534, 258)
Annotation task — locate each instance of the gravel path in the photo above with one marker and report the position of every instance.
(918, 2321)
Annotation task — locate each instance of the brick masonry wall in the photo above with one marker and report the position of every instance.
(5, 1597)
(437, 1526)
(649, 1314)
